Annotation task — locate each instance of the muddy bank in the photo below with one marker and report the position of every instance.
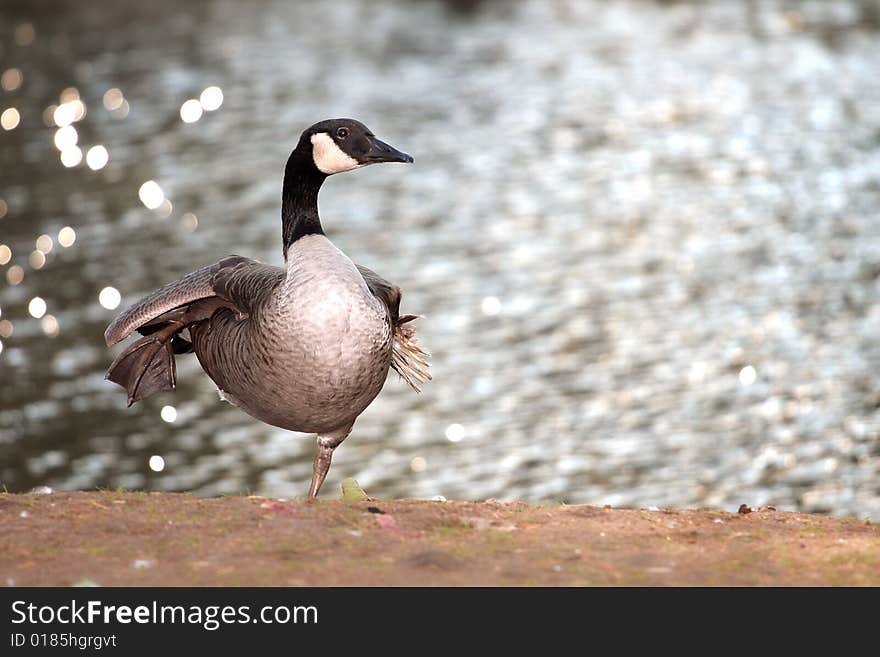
(123, 538)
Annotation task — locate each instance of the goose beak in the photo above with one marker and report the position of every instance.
(382, 152)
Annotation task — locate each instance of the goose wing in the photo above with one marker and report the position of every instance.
(387, 293)
(235, 282)
(408, 359)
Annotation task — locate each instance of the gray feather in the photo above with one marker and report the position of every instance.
(197, 285)
(305, 348)
(408, 359)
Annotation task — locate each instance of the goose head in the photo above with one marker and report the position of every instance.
(339, 145)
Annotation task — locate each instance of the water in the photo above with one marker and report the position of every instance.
(645, 238)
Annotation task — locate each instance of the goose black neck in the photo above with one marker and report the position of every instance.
(299, 198)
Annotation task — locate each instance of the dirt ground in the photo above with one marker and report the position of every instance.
(158, 539)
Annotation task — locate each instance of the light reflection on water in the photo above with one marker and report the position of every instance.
(645, 238)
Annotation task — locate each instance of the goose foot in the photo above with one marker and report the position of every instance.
(327, 443)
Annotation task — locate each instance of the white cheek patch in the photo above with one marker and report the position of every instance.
(328, 157)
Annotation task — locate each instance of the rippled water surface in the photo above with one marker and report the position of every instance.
(645, 238)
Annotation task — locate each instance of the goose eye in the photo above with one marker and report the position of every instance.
(342, 133)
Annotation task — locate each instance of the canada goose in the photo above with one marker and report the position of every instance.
(305, 347)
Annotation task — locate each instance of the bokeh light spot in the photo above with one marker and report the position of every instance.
(109, 298)
(50, 326)
(211, 99)
(66, 236)
(113, 99)
(122, 111)
(79, 109)
(747, 375)
(455, 433)
(44, 243)
(151, 194)
(97, 157)
(37, 307)
(490, 306)
(191, 111)
(71, 157)
(63, 115)
(49, 116)
(11, 79)
(69, 95)
(66, 137)
(37, 259)
(10, 118)
(190, 222)
(14, 275)
(164, 210)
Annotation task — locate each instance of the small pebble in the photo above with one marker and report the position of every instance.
(386, 521)
(277, 507)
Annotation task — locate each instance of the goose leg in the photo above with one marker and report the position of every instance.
(327, 442)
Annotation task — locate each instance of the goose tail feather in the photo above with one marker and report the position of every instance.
(408, 359)
(145, 368)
